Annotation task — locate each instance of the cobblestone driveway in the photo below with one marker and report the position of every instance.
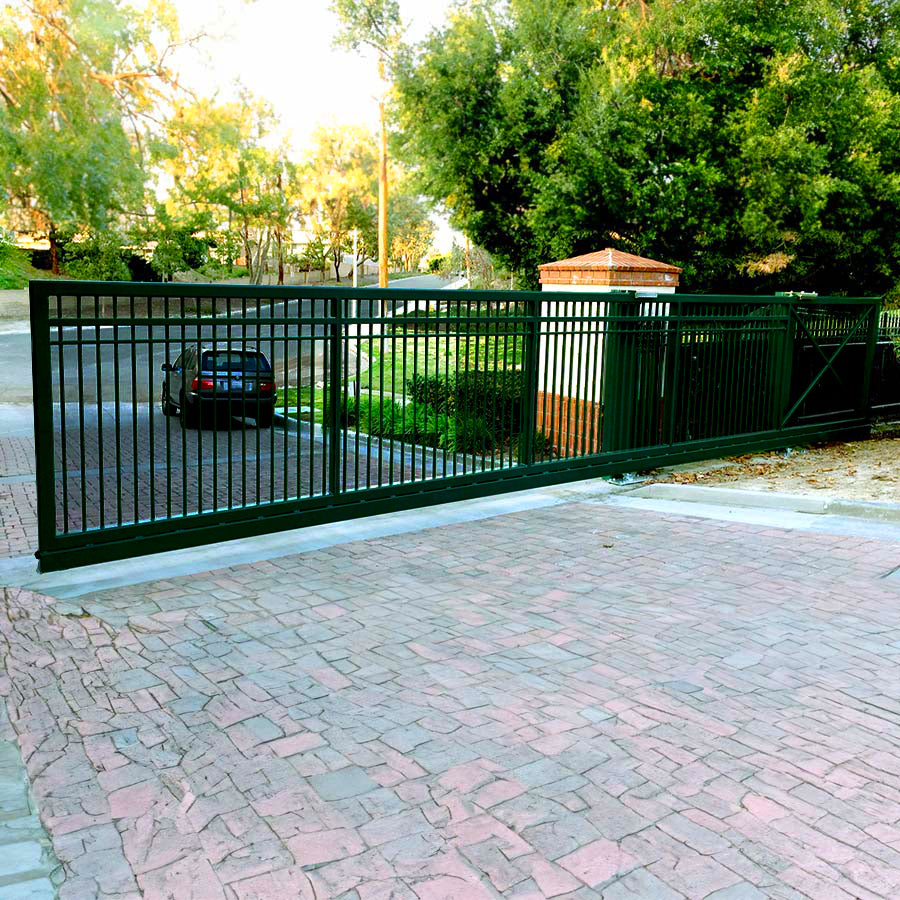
(579, 701)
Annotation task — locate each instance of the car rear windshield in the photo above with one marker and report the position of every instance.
(234, 361)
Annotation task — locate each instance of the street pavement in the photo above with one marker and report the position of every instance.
(581, 699)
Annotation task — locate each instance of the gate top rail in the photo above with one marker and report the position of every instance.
(43, 288)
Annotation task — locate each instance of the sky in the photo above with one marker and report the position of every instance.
(282, 51)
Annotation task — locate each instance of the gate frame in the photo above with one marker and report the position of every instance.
(60, 551)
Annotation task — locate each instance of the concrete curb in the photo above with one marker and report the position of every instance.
(818, 506)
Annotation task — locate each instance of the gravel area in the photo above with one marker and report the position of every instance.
(857, 470)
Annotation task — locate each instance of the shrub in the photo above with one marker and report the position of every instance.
(494, 397)
(100, 257)
(434, 390)
(13, 266)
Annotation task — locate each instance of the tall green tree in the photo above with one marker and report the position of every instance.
(339, 184)
(79, 80)
(756, 144)
(222, 165)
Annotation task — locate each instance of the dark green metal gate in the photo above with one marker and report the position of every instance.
(392, 399)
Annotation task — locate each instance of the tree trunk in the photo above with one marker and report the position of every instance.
(54, 251)
(280, 246)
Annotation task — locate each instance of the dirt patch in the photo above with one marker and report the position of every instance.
(859, 470)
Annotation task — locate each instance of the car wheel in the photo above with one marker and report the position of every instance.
(168, 407)
(264, 415)
(189, 415)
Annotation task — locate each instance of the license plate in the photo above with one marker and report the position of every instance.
(227, 386)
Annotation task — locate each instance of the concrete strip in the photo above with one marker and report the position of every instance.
(766, 516)
(690, 493)
(731, 497)
(21, 571)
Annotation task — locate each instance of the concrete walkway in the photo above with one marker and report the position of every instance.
(574, 699)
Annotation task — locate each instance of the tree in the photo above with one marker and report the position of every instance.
(375, 24)
(221, 165)
(338, 184)
(755, 144)
(411, 229)
(79, 80)
(180, 242)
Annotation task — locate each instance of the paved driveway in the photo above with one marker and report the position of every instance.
(577, 701)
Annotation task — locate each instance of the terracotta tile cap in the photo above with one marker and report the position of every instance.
(611, 260)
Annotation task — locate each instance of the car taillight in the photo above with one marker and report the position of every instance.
(194, 385)
(266, 387)
(205, 384)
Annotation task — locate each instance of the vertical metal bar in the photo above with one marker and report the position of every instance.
(491, 348)
(447, 390)
(215, 417)
(150, 423)
(506, 457)
(183, 344)
(543, 387)
(198, 328)
(440, 438)
(452, 389)
(673, 348)
(864, 404)
(81, 440)
(285, 442)
(413, 447)
(333, 380)
(580, 406)
(229, 396)
(244, 428)
(64, 461)
(467, 387)
(257, 434)
(370, 374)
(595, 329)
(116, 399)
(344, 338)
(101, 494)
(404, 345)
(168, 418)
(402, 400)
(785, 344)
(298, 444)
(357, 394)
(42, 379)
(531, 373)
(381, 394)
(274, 359)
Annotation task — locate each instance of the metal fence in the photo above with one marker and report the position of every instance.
(391, 399)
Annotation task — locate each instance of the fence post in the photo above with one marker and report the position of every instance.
(672, 374)
(530, 366)
(42, 380)
(784, 366)
(865, 390)
(336, 392)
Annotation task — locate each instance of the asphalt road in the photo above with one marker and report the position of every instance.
(95, 374)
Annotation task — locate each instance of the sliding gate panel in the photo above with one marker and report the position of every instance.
(317, 404)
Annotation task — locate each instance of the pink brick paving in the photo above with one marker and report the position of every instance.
(578, 701)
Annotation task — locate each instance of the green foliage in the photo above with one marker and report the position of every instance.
(13, 265)
(494, 398)
(417, 423)
(77, 78)
(757, 146)
(98, 257)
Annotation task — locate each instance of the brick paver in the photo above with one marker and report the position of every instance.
(579, 701)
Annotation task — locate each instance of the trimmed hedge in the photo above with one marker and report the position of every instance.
(494, 397)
